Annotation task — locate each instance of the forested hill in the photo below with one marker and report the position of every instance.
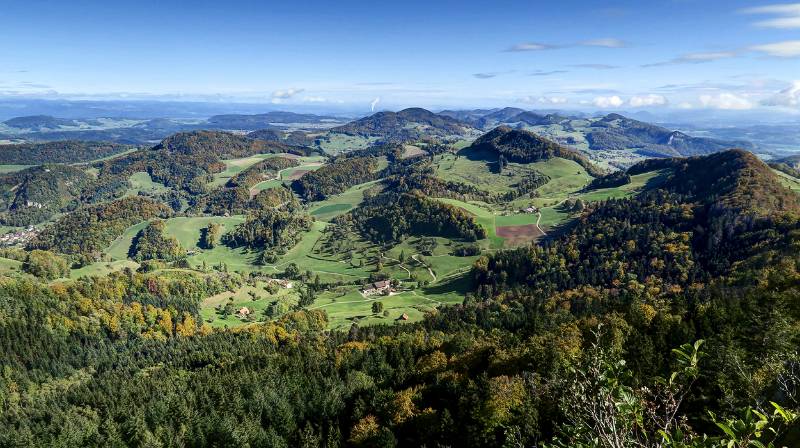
(224, 145)
(733, 181)
(68, 151)
(407, 124)
(39, 122)
(615, 131)
(709, 214)
(35, 194)
(526, 147)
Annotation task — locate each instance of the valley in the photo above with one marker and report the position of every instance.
(382, 230)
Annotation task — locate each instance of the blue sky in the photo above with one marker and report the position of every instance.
(679, 54)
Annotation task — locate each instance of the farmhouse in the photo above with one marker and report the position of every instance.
(243, 312)
(377, 288)
(283, 283)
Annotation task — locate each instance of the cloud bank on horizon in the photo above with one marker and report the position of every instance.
(726, 55)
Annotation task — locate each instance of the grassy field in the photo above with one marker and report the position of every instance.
(255, 298)
(236, 166)
(8, 265)
(637, 183)
(788, 181)
(141, 182)
(567, 182)
(187, 231)
(333, 143)
(341, 203)
(286, 176)
(13, 168)
(102, 268)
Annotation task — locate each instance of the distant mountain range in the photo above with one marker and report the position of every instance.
(612, 140)
(408, 124)
(612, 132)
(39, 122)
(269, 120)
(138, 131)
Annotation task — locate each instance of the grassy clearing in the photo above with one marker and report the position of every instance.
(566, 178)
(8, 265)
(255, 298)
(341, 203)
(788, 181)
(236, 166)
(483, 216)
(102, 268)
(141, 182)
(13, 168)
(334, 143)
(187, 231)
(344, 308)
(638, 182)
(308, 256)
(6, 229)
(118, 249)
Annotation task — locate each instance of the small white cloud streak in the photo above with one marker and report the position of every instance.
(606, 42)
(788, 15)
(785, 49)
(286, 94)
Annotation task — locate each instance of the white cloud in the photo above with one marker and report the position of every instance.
(285, 94)
(549, 100)
(785, 49)
(725, 101)
(695, 58)
(546, 73)
(788, 97)
(374, 103)
(787, 15)
(596, 66)
(531, 46)
(607, 42)
(650, 100)
(552, 100)
(685, 105)
(605, 102)
(315, 99)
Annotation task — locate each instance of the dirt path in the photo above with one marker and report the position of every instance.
(538, 219)
(400, 263)
(425, 265)
(254, 191)
(456, 273)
